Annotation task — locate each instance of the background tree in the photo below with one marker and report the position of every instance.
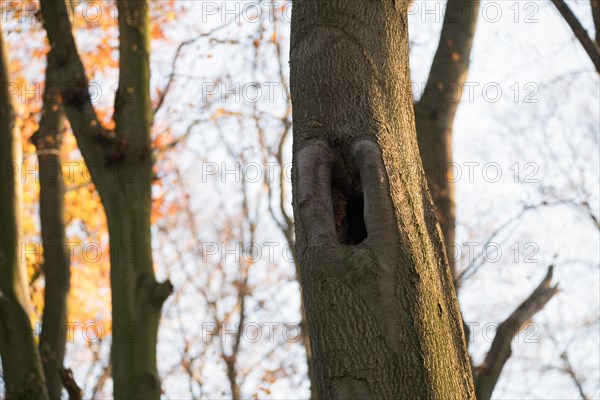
(436, 109)
(23, 374)
(56, 267)
(121, 166)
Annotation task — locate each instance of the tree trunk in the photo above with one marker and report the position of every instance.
(382, 313)
(136, 296)
(56, 267)
(435, 111)
(120, 164)
(23, 374)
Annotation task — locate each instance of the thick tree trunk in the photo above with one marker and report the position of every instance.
(383, 316)
(120, 163)
(56, 267)
(435, 111)
(23, 374)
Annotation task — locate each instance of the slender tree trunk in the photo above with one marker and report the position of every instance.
(121, 164)
(435, 111)
(382, 313)
(136, 296)
(21, 364)
(56, 267)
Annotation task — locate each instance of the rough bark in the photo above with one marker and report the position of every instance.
(435, 112)
(23, 376)
(56, 266)
(488, 373)
(591, 47)
(382, 313)
(120, 164)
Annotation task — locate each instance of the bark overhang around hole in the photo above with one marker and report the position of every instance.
(347, 198)
(332, 191)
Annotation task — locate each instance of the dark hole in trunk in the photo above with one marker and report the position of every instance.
(357, 231)
(349, 217)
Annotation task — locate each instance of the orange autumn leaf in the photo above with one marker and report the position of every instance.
(157, 32)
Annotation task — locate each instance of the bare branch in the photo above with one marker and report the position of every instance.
(57, 270)
(102, 378)
(182, 45)
(478, 261)
(69, 383)
(579, 31)
(568, 368)
(487, 374)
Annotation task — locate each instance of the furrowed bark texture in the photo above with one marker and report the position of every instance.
(56, 267)
(435, 112)
(382, 313)
(23, 376)
(121, 167)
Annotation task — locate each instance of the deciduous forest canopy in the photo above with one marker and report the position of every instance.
(340, 199)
